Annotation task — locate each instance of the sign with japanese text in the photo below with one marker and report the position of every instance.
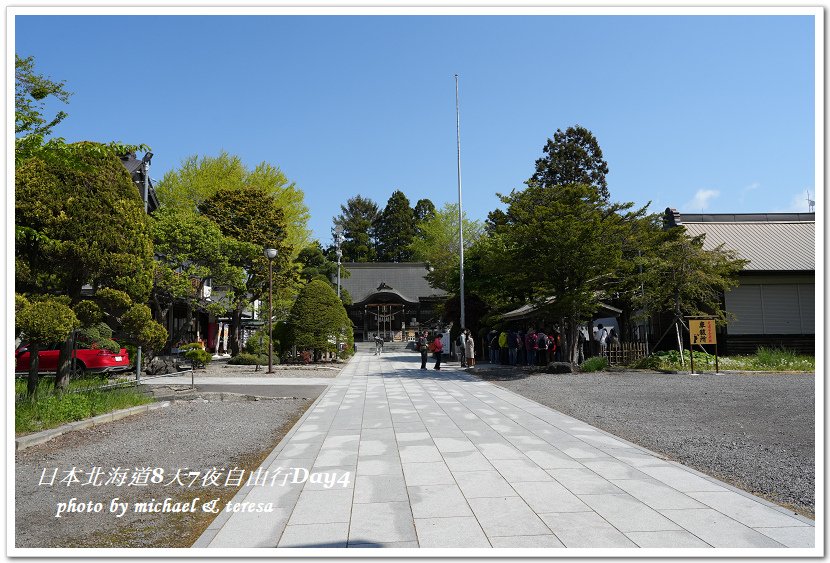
(702, 331)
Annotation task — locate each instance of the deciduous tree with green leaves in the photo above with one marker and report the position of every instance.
(198, 179)
(190, 249)
(253, 219)
(438, 245)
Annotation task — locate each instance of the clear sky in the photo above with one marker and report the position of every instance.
(700, 113)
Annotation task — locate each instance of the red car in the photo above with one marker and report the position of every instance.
(87, 360)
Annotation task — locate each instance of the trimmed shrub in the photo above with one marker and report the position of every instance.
(597, 363)
(245, 359)
(198, 357)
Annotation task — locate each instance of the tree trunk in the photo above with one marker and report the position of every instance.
(34, 361)
(573, 341)
(64, 365)
(233, 333)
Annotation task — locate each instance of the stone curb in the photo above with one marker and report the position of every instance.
(29, 440)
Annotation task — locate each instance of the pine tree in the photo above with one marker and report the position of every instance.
(395, 229)
(358, 218)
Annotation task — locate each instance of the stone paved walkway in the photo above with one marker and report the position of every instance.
(441, 459)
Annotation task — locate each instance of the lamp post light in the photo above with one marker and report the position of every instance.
(270, 254)
(338, 240)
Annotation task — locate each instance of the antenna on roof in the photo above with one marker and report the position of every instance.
(811, 204)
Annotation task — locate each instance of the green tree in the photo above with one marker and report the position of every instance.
(566, 243)
(318, 320)
(395, 229)
(80, 226)
(682, 277)
(198, 179)
(316, 265)
(30, 92)
(572, 157)
(438, 245)
(358, 217)
(424, 211)
(190, 250)
(253, 219)
(42, 323)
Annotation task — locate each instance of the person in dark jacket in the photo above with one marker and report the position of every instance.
(423, 347)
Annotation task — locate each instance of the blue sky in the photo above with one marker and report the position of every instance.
(700, 113)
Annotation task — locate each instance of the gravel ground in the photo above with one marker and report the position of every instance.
(756, 432)
(220, 368)
(195, 434)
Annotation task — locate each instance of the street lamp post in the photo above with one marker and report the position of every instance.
(270, 254)
(338, 240)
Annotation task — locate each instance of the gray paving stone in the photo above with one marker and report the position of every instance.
(669, 539)
(252, 529)
(430, 473)
(680, 479)
(717, 529)
(481, 484)
(746, 510)
(378, 447)
(519, 470)
(419, 454)
(381, 522)
(499, 450)
(512, 542)
(437, 501)
(414, 439)
(467, 461)
(380, 488)
(583, 481)
(322, 507)
(656, 494)
(385, 545)
(450, 532)
(613, 469)
(628, 514)
(331, 478)
(550, 496)
(506, 516)
(585, 529)
(335, 457)
(300, 450)
(799, 536)
(278, 494)
(379, 465)
(551, 458)
(454, 445)
(315, 535)
(580, 452)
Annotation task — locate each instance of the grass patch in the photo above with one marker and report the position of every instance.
(597, 363)
(48, 409)
(765, 359)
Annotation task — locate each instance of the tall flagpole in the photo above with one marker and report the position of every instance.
(460, 211)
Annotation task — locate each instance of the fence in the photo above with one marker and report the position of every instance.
(120, 382)
(625, 353)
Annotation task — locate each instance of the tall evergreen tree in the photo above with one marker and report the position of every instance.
(572, 157)
(424, 211)
(395, 229)
(358, 219)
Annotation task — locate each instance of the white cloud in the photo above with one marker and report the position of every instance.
(750, 188)
(700, 202)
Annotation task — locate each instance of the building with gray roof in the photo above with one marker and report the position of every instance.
(774, 303)
(390, 299)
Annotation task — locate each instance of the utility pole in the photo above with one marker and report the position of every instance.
(460, 210)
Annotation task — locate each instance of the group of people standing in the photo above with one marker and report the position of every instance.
(534, 347)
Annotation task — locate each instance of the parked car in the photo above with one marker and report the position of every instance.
(86, 360)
